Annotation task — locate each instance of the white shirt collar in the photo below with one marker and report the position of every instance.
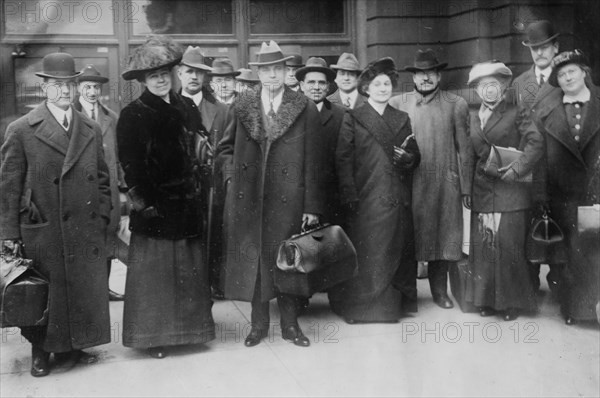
(197, 98)
(88, 106)
(546, 72)
(228, 102)
(265, 96)
(59, 114)
(353, 96)
(319, 106)
(583, 96)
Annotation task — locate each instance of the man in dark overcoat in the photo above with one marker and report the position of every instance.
(269, 159)
(56, 203)
(89, 87)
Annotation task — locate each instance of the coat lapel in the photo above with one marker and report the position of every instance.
(556, 125)
(208, 111)
(495, 117)
(81, 135)
(591, 124)
(48, 130)
(104, 119)
(326, 112)
(380, 127)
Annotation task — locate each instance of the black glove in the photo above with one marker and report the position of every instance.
(401, 157)
(540, 209)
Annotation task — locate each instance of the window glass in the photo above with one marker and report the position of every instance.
(296, 16)
(181, 17)
(82, 17)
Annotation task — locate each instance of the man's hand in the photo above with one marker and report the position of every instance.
(508, 174)
(12, 246)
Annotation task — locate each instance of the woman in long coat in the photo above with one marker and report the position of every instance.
(375, 158)
(500, 204)
(570, 122)
(167, 298)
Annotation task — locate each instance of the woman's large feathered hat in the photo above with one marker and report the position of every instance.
(566, 57)
(156, 53)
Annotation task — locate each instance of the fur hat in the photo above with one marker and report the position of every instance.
(156, 53)
(384, 65)
(566, 57)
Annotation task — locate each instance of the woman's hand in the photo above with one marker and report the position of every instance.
(508, 174)
(309, 219)
(401, 156)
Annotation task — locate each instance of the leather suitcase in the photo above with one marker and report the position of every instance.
(458, 273)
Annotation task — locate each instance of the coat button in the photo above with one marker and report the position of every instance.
(66, 216)
(240, 195)
(244, 166)
(90, 177)
(284, 199)
(56, 181)
(577, 138)
(284, 170)
(93, 214)
(95, 251)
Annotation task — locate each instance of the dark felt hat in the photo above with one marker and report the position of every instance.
(383, 65)
(58, 66)
(539, 33)
(194, 58)
(347, 62)
(156, 53)
(90, 74)
(270, 54)
(565, 58)
(315, 64)
(295, 61)
(247, 76)
(223, 67)
(425, 60)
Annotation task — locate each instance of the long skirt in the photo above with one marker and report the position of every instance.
(499, 266)
(167, 293)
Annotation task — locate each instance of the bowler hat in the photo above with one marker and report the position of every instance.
(384, 65)
(247, 75)
(540, 32)
(58, 66)
(155, 53)
(270, 54)
(347, 62)
(565, 58)
(91, 74)
(425, 60)
(223, 67)
(194, 58)
(315, 64)
(295, 61)
(488, 68)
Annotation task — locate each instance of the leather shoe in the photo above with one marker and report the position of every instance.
(114, 296)
(255, 336)
(294, 334)
(486, 311)
(157, 352)
(39, 362)
(511, 314)
(443, 301)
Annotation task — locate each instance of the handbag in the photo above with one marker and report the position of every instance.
(501, 157)
(24, 293)
(544, 240)
(314, 260)
(588, 220)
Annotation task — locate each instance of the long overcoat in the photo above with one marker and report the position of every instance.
(567, 168)
(331, 116)
(440, 122)
(270, 181)
(67, 182)
(528, 92)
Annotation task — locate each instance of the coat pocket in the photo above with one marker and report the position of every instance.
(29, 213)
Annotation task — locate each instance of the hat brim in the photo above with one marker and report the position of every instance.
(300, 73)
(48, 75)
(137, 73)
(441, 66)
(234, 73)
(540, 43)
(203, 67)
(277, 61)
(248, 80)
(97, 79)
(337, 67)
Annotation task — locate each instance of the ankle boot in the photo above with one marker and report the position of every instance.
(438, 282)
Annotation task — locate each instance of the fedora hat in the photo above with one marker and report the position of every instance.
(489, 68)
(295, 61)
(347, 62)
(315, 64)
(425, 60)
(58, 66)
(539, 32)
(565, 58)
(90, 74)
(194, 58)
(270, 54)
(223, 67)
(155, 53)
(247, 75)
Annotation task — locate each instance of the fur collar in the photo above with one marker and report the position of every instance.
(248, 110)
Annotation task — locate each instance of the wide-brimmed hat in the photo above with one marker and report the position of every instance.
(223, 67)
(488, 68)
(90, 74)
(194, 58)
(539, 32)
(384, 65)
(315, 64)
(565, 58)
(295, 61)
(58, 66)
(247, 76)
(156, 53)
(270, 54)
(425, 60)
(347, 62)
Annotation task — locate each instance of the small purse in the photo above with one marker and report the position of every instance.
(588, 220)
(544, 240)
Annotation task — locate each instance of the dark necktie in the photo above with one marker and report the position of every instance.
(66, 122)
(93, 114)
(271, 113)
(542, 81)
(347, 103)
